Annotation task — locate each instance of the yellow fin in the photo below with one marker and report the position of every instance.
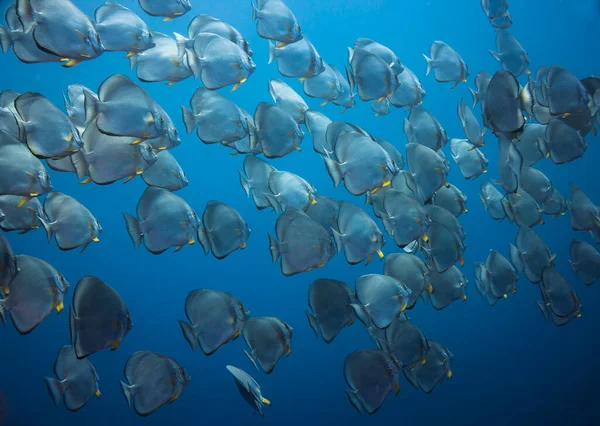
(280, 44)
(167, 19)
(449, 374)
(423, 361)
(237, 334)
(464, 297)
(177, 249)
(234, 88)
(97, 393)
(68, 63)
(386, 183)
(6, 289)
(313, 201)
(174, 398)
(96, 240)
(86, 180)
(170, 83)
(505, 296)
(115, 345)
(60, 307)
(322, 104)
(303, 78)
(191, 241)
(129, 179)
(266, 401)
(23, 201)
(137, 141)
(130, 54)
(242, 246)
(380, 253)
(69, 137)
(429, 288)
(424, 237)
(288, 351)
(397, 388)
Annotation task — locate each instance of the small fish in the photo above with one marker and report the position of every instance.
(170, 9)
(330, 301)
(511, 54)
(268, 338)
(436, 366)
(451, 199)
(278, 131)
(275, 21)
(428, 168)
(446, 64)
(165, 173)
(372, 76)
(585, 261)
(287, 99)
(210, 24)
(255, 180)
(325, 86)
(560, 302)
(410, 91)
(422, 127)
(297, 60)
(249, 389)
(411, 271)
(287, 189)
(122, 30)
(469, 158)
(224, 229)
(530, 255)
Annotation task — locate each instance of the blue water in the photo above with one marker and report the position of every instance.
(510, 365)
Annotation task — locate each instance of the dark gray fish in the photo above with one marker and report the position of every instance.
(555, 205)
(8, 266)
(346, 96)
(326, 212)
(279, 133)
(122, 30)
(563, 143)
(153, 380)
(469, 158)
(472, 129)
(530, 254)
(98, 318)
(165, 173)
(437, 366)
(217, 118)
(317, 124)
(269, 338)
(522, 209)
(585, 261)
(361, 163)
(510, 163)
(275, 21)
(33, 294)
(297, 60)
(124, 109)
(501, 107)
(216, 318)
(222, 62)
(560, 302)
(564, 91)
(372, 76)
(326, 85)
(105, 159)
(75, 105)
(371, 375)
(170, 9)
(405, 342)
(502, 22)
(511, 54)
(330, 301)
(446, 64)
(380, 299)
(445, 243)
(429, 169)
(410, 271)
(48, 131)
(164, 61)
(359, 236)
(24, 218)
(76, 380)
(249, 389)
(491, 199)
(60, 28)
(482, 81)
(303, 243)
(70, 222)
(163, 220)
(532, 144)
(22, 42)
(536, 184)
(422, 127)
(384, 52)
(452, 199)
(447, 287)
(224, 228)
(21, 173)
(409, 92)
(585, 216)
(256, 180)
(494, 8)
(287, 99)
(404, 218)
(210, 24)
(287, 189)
(495, 278)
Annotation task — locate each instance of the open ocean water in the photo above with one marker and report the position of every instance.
(510, 366)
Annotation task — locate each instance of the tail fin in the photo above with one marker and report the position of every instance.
(312, 321)
(274, 248)
(193, 62)
(133, 61)
(128, 392)
(339, 240)
(3, 310)
(475, 96)
(254, 11)
(134, 229)
(82, 168)
(515, 257)
(361, 313)
(495, 55)
(204, 240)
(508, 210)
(189, 119)
(90, 106)
(25, 14)
(335, 171)
(72, 325)
(354, 400)
(47, 227)
(182, 44)
(272, 52)
(245, 183)
(274, 202)
(368, 198)
(429, 64)
(543, 308)
(6, 40)
(350, 78)
(190, 334)
(56, 389)
(572, 264)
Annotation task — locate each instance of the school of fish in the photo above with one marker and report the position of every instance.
(119, 132)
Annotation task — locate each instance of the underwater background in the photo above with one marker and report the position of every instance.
(510, 365)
